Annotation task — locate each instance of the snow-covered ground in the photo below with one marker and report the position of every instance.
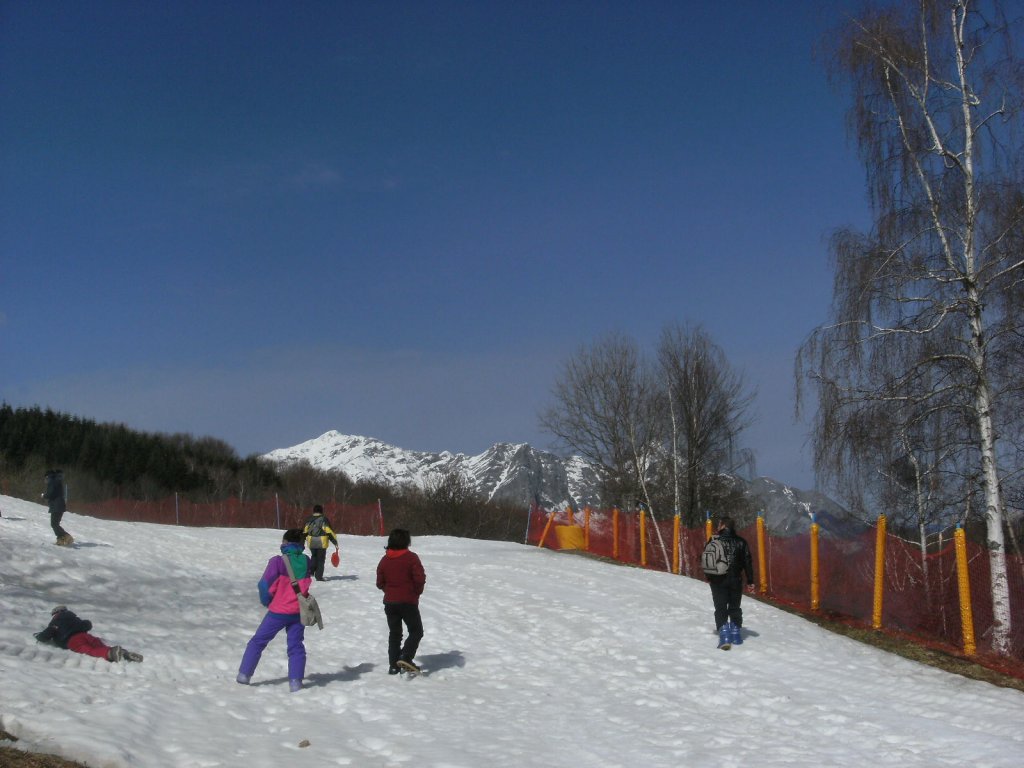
(530, 658)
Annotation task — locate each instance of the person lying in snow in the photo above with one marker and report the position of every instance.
(66, 630)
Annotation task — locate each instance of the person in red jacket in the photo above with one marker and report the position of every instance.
(401, 577)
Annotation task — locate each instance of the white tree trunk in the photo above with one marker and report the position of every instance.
(922, 527)
(982, 392)
(641, 473)
(994, 525)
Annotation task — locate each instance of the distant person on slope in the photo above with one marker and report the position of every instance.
(277, 594)
(54, 495)
(401, 577)
(318, 534)
(727, 588)
(66, 630)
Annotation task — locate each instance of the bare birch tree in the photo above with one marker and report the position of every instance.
(609, 411)
(922, 319)
(708, 410)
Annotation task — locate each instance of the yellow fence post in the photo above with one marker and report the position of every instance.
(643, 538)
(707, 527)
(964, 582)
(543, 536)
(876, 614)
(815, 597)
(586, 528)
(675, 544)
(762, 564)
(615, 533)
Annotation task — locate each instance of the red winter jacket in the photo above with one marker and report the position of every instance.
(400, 574)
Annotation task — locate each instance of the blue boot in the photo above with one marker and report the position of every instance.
(736, 637)
(725, 636)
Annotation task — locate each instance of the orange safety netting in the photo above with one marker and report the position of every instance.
(359, 520)
(920, 596)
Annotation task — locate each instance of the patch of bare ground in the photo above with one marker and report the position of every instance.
(12, 757)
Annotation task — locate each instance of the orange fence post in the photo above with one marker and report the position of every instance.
(569, 514)
(586, 529)
(547, 527)
(675, 544)
(762, 565)
(815, 597)
(643, 538)
(707, 527)
(876, 614)
(964, 582)
(615, 533)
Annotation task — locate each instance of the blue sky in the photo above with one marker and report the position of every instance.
(264, 220)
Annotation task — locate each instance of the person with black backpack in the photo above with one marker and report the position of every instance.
(318, 533)
(726, 561)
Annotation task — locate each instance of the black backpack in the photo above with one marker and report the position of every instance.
(315, 527)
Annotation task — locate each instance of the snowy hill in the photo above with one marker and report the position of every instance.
(520, 473)
(530, 658)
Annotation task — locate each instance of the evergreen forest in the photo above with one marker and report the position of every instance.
(104, 461)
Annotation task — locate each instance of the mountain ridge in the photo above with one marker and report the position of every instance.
(520, 473)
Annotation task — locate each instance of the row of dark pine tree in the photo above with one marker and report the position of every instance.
(118, 460)
(102, 461)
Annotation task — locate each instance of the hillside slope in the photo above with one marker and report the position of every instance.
(531, 658)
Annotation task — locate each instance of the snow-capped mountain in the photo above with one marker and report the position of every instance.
(519, 474)
(505, 471)
(787, 511)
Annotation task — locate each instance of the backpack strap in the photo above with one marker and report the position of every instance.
(291, 575)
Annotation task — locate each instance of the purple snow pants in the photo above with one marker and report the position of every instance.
(272, 624)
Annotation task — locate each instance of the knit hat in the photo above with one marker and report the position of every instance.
(58, 609)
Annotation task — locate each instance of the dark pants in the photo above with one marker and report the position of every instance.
(409, 614)
(319, 557)
(55, 516)
(726, 592)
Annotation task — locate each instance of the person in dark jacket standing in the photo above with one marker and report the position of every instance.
(66, 630)
(401, 577)
(727, 588)
(318, 533)
(54, 495)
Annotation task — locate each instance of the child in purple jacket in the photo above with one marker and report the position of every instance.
(278, 595)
